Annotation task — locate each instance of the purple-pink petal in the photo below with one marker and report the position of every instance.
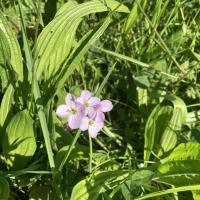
(86, 95)
(100, 117)
(84, 123)
(94, 101)
(94, 129)
(74, 121)
(80, 108)
(106, 106)
(69, 100)
(62, 111)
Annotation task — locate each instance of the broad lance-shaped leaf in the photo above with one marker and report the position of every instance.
(181, 167)
(169, 138)
(19, 143)
(76, 56)
(56, 40)
(5, 55)
(80, 50)
(14, 48)
(90, 188)
(162, 126)
(6, 104)
(155, 126)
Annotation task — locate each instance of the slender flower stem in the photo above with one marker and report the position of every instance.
(70, 150)
(90, 159)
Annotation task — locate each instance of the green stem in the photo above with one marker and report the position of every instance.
(36, 90)
(70, 150)
(90, 161)
(43, 122)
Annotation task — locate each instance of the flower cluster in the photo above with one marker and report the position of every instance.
(85, 112)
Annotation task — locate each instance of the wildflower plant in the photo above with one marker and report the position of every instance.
(85, 112)
(144, 55)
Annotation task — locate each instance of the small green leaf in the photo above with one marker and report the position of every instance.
(19, 143)
(131, 19)
(130, 188)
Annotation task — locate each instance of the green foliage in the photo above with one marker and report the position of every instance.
(19, 142)
(6, 103)
(143, 56)
(14, 48)
(181, 166)
(58, 37)
(4, 188)
(91, 188)
(163, 125)
(130, 188)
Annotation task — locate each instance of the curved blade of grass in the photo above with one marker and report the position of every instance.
(37, 95)
(69, 151)
(131, 19)
(105, 80)
(169, 191)
(123, 57)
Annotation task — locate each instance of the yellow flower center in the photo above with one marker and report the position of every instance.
(73, 111)
(91, 122)
(85, 104)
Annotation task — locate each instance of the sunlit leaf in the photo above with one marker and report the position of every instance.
(90, 188)
(56, 40)
(6, 104)
(19, 143)
(163, 125)
(16, 56)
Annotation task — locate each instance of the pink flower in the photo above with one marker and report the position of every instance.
(92, 125)
(72, 110)
(88, 101)
(98, 110)
(86, 112)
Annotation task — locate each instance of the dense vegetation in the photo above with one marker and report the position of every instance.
(143, 56)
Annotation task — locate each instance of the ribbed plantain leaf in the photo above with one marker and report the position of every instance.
(56, 40)
(14, 48)
(162, 126)
(6, 104)
(19, 143)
